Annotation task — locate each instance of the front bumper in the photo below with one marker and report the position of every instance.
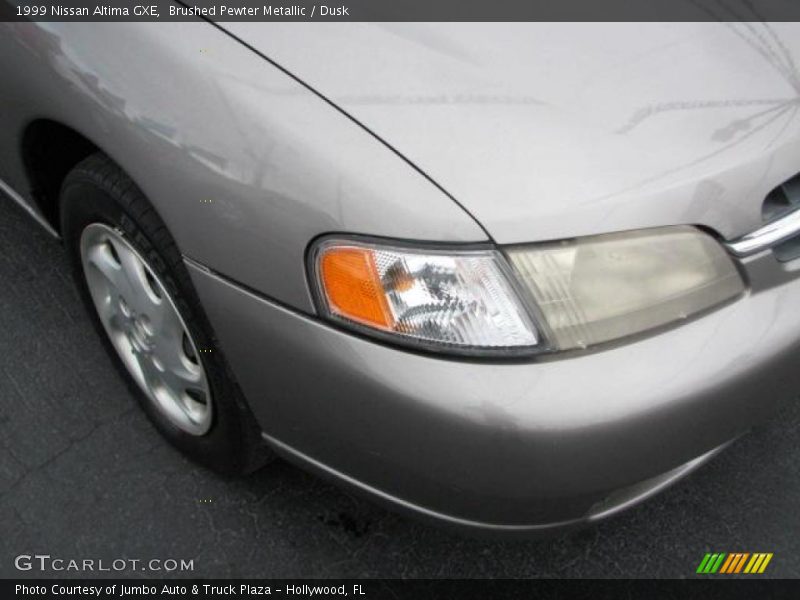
(513, 447)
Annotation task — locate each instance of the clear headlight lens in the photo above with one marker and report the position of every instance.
(454, 300)
(600, 288)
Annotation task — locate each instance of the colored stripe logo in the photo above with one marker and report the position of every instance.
(734, 562)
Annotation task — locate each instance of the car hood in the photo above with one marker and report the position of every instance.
(546, 131)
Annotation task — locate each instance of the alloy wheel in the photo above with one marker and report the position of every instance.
(145, 328)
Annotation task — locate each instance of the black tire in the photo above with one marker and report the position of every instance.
(98, 191)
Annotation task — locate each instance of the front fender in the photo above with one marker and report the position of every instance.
(243, 162)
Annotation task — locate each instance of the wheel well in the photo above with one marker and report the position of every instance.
(49, 151)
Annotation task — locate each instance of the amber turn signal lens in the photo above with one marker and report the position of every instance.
(458, 299)
(352, 286)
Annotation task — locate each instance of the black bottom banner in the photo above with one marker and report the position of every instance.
(395, 589)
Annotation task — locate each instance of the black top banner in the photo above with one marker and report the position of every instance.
(401, 10)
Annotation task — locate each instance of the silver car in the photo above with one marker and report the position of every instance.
(507, 277)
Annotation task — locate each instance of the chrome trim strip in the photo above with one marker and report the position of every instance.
(767, 236)
(9, 191)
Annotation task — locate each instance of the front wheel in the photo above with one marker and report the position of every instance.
(134, 283)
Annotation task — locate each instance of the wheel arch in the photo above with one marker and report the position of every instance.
(50, 150)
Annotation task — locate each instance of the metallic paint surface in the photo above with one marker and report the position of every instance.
(547, 131)
(244, 164)
(607, 507)
(541, 132)
(513, 443)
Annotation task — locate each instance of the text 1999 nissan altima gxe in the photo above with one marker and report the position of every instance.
(509, 277)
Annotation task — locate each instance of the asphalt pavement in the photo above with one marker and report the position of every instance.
(83, 475)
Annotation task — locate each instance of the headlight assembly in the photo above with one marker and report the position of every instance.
(601, 288)
(535, 298)
(457, 301)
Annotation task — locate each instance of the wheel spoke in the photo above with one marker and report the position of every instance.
(166, 325)
(180, 371)
(108, 311)
(135, 273)
(195, 407)
(151, 374)
(173, 386)
(101, 258)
